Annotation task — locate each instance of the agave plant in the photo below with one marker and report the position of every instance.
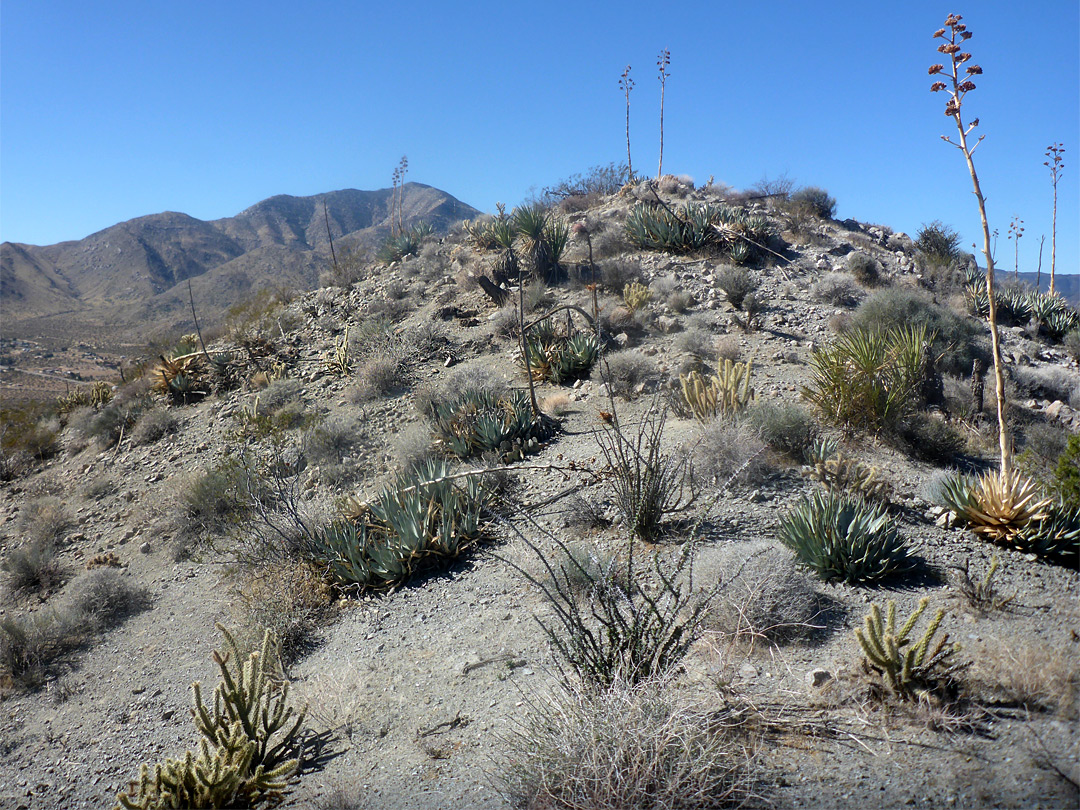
(688, 228)
(420, 520)
(1056, 537)
(182, 378)
(997, 506)
(551, 356)
(475, 421)
(842, 538)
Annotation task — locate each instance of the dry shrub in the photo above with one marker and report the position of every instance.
(624, 371)
(1036, 675)
(696, 342)
(33, 569)
(838, 289)
(375, 378)
(626, 747)
(45, 520)
(728, 348)
(153, 425)
(762, 592)
(31, 645)
(289, 599)
(728, 448)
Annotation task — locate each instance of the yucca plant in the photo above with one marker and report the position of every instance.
(868, 380)
(420, 521)
(846, 539)
(909, 667)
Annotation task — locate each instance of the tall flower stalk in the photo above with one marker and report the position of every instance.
(662, 62)
(1016, 230)
(957, 85)
(626, 84)
(1056, 164)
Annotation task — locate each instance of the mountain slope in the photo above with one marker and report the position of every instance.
(131, 263)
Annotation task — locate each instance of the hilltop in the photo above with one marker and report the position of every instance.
(132, 520)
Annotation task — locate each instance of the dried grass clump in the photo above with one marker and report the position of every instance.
(625, 371)
(290, 600)
(762, 593)
(727, 448)
(1035, 675)
(627, 747)
(838, 289)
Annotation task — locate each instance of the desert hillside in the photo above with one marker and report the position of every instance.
(646, 496)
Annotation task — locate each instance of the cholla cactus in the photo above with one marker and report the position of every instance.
(908, 668)
(957, 86)
(726, 392)
(636, 295)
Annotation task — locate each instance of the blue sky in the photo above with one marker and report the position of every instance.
(113, 110)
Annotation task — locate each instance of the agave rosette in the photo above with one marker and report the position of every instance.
(999, 506)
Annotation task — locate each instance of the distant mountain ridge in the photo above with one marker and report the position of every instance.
(136, 268)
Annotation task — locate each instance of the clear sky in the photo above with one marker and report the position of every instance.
(112, 110)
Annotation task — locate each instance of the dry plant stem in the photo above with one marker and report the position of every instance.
(1055, 163)
(662, 62)
(953, 110)
(627, 84)
(330, 236)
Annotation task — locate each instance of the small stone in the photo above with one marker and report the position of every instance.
(145, 547)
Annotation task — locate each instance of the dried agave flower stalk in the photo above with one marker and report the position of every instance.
(958, 84)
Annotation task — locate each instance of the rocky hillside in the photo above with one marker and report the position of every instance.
(131, 270)
(686, 426)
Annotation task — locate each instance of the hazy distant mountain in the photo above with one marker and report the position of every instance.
(140, 267)
(1068, 287)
